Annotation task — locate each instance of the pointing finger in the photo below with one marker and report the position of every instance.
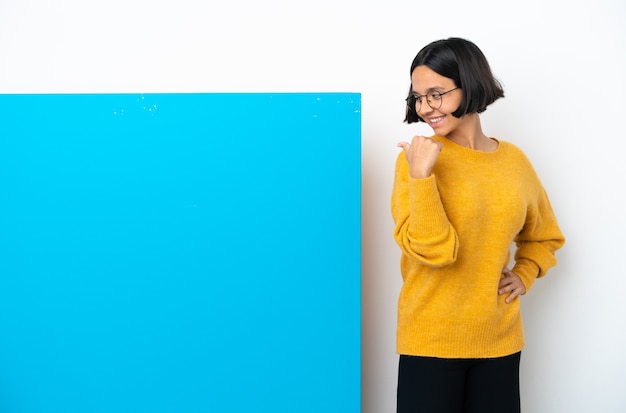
(404, 145)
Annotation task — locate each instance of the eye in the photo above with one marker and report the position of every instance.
(417, 98)
(435, 96)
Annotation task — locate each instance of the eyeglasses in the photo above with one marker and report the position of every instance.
(434, 100)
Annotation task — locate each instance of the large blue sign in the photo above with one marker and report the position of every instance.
(180, 253)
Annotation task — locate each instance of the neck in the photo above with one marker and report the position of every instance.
(471, 135)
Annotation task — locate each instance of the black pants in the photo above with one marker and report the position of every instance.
(434, 385)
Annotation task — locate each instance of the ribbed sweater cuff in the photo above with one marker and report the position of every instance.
(527, 271)
(427, 210)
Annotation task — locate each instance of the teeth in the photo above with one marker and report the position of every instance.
(435, 120)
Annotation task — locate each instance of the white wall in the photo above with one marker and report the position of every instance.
(562, 64)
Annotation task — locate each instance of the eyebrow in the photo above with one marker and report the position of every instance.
(431, 89)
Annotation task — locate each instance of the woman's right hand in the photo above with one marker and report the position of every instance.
(421, 154)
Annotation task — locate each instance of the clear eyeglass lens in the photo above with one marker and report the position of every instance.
(434, 101)
(434, 97)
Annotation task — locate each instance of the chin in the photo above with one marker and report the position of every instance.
(440, 131)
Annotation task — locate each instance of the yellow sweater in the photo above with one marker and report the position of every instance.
(455, 229)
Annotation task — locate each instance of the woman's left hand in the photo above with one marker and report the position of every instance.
(511, 283)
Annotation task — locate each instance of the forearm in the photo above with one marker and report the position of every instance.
(422, 229)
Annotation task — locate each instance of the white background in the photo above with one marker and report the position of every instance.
(562, 64)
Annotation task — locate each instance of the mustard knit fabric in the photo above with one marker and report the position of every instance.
(456, 229)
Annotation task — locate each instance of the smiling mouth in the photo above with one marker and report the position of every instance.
(436, 120)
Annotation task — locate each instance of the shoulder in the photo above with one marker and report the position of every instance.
(513, 151)
(518, 160)
(508, 146)
(401, 161)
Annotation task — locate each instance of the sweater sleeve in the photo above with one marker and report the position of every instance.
(538, 241)
(422, 228)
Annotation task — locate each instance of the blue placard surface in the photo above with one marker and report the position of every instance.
(180, 253)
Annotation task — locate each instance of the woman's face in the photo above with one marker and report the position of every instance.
(424, 81)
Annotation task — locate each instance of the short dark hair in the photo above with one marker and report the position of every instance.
(463, 62)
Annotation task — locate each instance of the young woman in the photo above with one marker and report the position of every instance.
(460, 200)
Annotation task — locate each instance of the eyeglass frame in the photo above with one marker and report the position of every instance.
(416, 97)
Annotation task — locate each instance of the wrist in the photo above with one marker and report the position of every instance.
(419, 173)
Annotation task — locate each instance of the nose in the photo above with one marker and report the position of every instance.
(424, 108)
